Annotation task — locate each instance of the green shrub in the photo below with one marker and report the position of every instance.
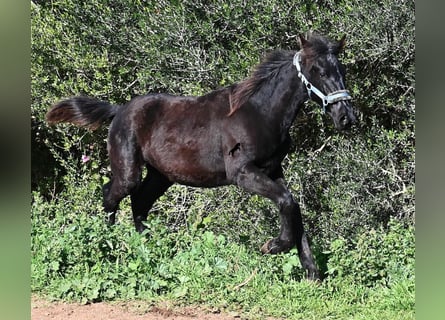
(376, 257)
(354, 183)
(113, 51)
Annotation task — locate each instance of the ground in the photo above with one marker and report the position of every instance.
(44, 310)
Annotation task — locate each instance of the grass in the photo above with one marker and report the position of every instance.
(76, 257)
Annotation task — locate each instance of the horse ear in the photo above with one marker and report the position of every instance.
(342, 43)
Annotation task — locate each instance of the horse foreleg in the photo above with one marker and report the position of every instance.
(292, 232)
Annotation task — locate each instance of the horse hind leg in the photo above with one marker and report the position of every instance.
(126, 172)
(115, 190)
(110, 205)
(142, 198)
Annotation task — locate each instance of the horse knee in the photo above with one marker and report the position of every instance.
(287, 201)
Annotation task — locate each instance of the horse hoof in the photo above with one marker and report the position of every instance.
(314, 276)
(276, 245)
(265, 249)
(110, 219)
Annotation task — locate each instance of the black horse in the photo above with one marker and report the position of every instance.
(235, 135)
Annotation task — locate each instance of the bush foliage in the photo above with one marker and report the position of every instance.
(347, 185)
(114, 50)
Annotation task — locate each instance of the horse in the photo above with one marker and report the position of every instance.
(236, 135)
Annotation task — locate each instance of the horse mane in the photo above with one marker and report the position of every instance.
(267, 69)
(312, 47)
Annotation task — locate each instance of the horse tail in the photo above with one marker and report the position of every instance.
(82, 111)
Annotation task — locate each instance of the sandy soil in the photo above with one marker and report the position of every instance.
(44, 310)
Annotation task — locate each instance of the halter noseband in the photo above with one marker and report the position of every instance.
(333, 97)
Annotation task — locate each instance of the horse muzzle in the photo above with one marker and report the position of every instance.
(343, 115)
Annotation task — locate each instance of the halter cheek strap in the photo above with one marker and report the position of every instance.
(333, 97)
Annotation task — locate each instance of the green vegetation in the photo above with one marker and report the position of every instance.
(77, 257)
(356, 191)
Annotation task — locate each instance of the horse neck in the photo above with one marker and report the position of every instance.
(280, 99)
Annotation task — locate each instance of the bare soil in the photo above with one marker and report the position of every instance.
(44, 310)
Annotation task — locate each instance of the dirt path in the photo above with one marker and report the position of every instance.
(44, 310)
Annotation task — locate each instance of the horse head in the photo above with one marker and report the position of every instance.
(324, 77)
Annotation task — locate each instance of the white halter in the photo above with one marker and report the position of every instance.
(333, 97)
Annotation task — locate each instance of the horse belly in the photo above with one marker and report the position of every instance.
(188, 163)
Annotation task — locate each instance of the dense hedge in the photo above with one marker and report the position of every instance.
(115, 50)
